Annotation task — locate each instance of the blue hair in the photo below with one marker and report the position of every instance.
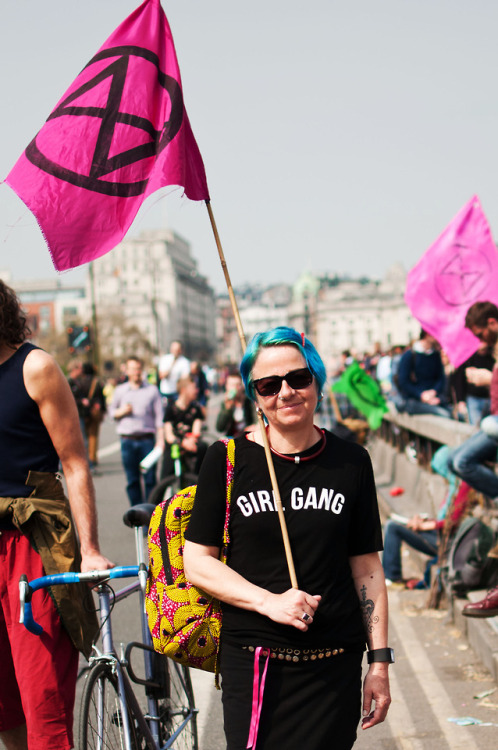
(281, 336)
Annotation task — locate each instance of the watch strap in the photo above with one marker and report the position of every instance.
(381, 654)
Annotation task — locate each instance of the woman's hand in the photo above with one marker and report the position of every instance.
(290, 607)
(189, 443)
(419, 523)
(376, 695)
(478, 376)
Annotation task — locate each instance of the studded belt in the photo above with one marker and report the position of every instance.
(298, 654)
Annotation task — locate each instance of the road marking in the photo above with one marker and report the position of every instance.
(399, 718)
(109, 449)
(458, 738)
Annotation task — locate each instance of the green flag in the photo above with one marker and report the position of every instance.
(364, 393)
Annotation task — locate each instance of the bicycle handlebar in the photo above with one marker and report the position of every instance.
(27, 589)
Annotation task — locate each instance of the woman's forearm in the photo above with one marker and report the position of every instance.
(211, 575)
(205, 570)
(369, 582)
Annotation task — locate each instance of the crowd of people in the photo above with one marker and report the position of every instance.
(158, 409)
(50, 422)
(416, 379)
(419, 379)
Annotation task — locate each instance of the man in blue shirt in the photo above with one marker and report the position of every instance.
(137, 408)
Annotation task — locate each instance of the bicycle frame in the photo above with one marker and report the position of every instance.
(149, 723)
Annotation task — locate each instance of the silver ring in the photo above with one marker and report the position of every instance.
(306, 617)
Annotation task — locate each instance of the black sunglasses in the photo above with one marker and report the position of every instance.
(295, 379)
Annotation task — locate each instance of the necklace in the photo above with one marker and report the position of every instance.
(299, 459)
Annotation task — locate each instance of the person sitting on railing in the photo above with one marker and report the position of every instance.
(421, 379)
(471, 382)
(470, 461)
(422, 534)
(470, 458)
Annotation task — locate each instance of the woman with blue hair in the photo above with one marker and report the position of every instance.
(308, 643)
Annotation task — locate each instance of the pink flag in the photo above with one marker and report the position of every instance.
(119, 133)
(460, 268)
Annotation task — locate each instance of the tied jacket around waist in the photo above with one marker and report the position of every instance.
(45, 518)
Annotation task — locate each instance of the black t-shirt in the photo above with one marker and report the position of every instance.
(182, 420)
(331, 511)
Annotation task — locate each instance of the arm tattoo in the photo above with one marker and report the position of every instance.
(367, 607)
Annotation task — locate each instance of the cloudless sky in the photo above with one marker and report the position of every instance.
(337, 136)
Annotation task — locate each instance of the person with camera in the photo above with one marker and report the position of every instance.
(236, 414)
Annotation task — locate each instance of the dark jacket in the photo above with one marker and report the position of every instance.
(225, 421)
(482, 360)
(418, 372)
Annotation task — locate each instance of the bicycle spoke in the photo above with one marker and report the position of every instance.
(102, 725)
(177, 710)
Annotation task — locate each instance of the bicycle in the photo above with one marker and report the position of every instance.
(111, 716)
(173, 483)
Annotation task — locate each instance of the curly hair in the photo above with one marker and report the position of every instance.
(14, 327)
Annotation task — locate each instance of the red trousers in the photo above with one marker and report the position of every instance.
(38, 673)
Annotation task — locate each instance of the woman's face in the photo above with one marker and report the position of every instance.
(190, 391)
(290, 407)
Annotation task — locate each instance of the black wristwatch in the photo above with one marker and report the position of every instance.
(381, 654)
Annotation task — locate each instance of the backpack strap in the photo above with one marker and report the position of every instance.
(230, 464)
(168, 574)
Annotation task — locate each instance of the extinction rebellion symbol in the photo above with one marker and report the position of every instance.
(144, 140)
(464, 276)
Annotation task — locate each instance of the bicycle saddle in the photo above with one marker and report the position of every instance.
(139, 515)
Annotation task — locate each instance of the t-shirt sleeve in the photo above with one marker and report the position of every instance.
(366, 529)
(168, 413)
(208, 514)
(198, 413)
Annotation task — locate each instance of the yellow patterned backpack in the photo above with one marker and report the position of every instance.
(184, 621)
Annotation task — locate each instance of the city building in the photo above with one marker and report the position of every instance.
(259, 309)
(50, 305)
(150, 285)
(361, 315)
(337, 314)
(148, 292)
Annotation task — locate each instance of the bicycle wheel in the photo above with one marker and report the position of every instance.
(175, 705)
(101, 724)
(169, 486)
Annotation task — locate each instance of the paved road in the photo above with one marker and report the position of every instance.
(436, 676)
(117, 542)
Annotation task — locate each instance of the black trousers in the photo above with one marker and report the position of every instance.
(314, 705)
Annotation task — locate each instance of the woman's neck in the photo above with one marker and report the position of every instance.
(292, 442)
(182, 403)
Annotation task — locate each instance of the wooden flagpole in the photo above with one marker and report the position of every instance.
(266, 444)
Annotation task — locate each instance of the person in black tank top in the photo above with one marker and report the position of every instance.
(38, 427)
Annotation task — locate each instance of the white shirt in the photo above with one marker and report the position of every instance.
(177, 368)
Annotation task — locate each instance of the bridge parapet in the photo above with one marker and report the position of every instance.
(401, 455)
